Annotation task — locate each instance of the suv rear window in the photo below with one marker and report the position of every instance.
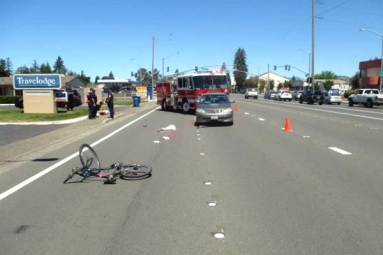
(317, 93)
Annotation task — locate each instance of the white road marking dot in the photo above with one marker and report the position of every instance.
(202, 154)
(198, 138)
(306, 136)
(246, 113)
(339, 150)
(208, 182)
(261, 119)
(156, 141)
(219, 235)
(197, 134)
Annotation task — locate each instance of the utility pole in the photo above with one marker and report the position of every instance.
(268, 76)
(313, 45)
(153, 61)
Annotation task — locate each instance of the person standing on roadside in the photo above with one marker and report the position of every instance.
(110, 102)
(91, 104)
(94, 114)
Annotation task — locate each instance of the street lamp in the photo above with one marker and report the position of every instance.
(309, 59)
(381, 64)
(163, 62)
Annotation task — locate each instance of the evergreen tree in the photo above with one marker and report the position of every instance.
(9, 67)
(35, 68)
(241, 66)
(3, 66)
(59, 66)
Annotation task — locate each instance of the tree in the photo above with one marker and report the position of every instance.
(23, 70)
(45, 68)
(59, 66)
(96, 79)
(8, 68)
(228, 78)
(223, 68)
(326, 75)
(354, 81)
(111, 76)
(143, 75)
(35, 68)
(3, 65)
(328, 84)
(241, 66)
(85, 79)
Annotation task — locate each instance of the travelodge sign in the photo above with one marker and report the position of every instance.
(37, 81)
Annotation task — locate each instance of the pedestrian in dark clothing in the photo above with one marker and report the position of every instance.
(94, 114)
(70, 93)
(110, 102)
(91, 104)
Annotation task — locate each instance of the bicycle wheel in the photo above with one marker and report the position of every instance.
(135, 171)
(89, 158)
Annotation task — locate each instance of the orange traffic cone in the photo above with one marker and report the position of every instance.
(236, 108)
(287, 125)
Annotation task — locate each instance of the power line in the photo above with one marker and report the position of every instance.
(336, 6)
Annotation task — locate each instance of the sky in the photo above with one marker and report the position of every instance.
(99, 37)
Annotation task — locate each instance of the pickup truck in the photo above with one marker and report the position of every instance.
(312, 97)
(367, 97)
(252, 92)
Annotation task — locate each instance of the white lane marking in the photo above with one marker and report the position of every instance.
(47, 170)
(156, 141)
(246, 113)
(202, 154)
(339, 150)
(306, 136)
(261, 119)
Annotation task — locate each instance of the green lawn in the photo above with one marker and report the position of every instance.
(13, 114)
(17, 115)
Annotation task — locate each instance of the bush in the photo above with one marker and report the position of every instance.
(348, 93)
(8, 99)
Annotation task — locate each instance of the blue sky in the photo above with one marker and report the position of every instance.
(116, 35)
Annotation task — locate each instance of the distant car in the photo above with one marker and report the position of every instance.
(61, 98)
(214, 108)
(283, 95)
(267, 94)
(251, 92)
(296, 94)
(332, 98)
(312, 97)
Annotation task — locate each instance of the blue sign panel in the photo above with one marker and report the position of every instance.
(36, 81)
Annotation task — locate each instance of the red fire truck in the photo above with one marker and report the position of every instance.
(185, 89)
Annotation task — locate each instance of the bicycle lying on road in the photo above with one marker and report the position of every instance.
(91, 167)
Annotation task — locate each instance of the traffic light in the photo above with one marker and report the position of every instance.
(288, 68)
(275, 67)
(167, 69)
(135, 75)
(131, 74)
(309, 80)
(196, 68)
(285, 67)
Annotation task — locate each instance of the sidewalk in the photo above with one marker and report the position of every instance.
(37, 146)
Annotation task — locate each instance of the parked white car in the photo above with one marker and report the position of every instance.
(283, 95)
(332, 98)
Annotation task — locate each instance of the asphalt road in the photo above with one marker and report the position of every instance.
(315, 190)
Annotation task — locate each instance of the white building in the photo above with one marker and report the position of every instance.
(275, 77)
